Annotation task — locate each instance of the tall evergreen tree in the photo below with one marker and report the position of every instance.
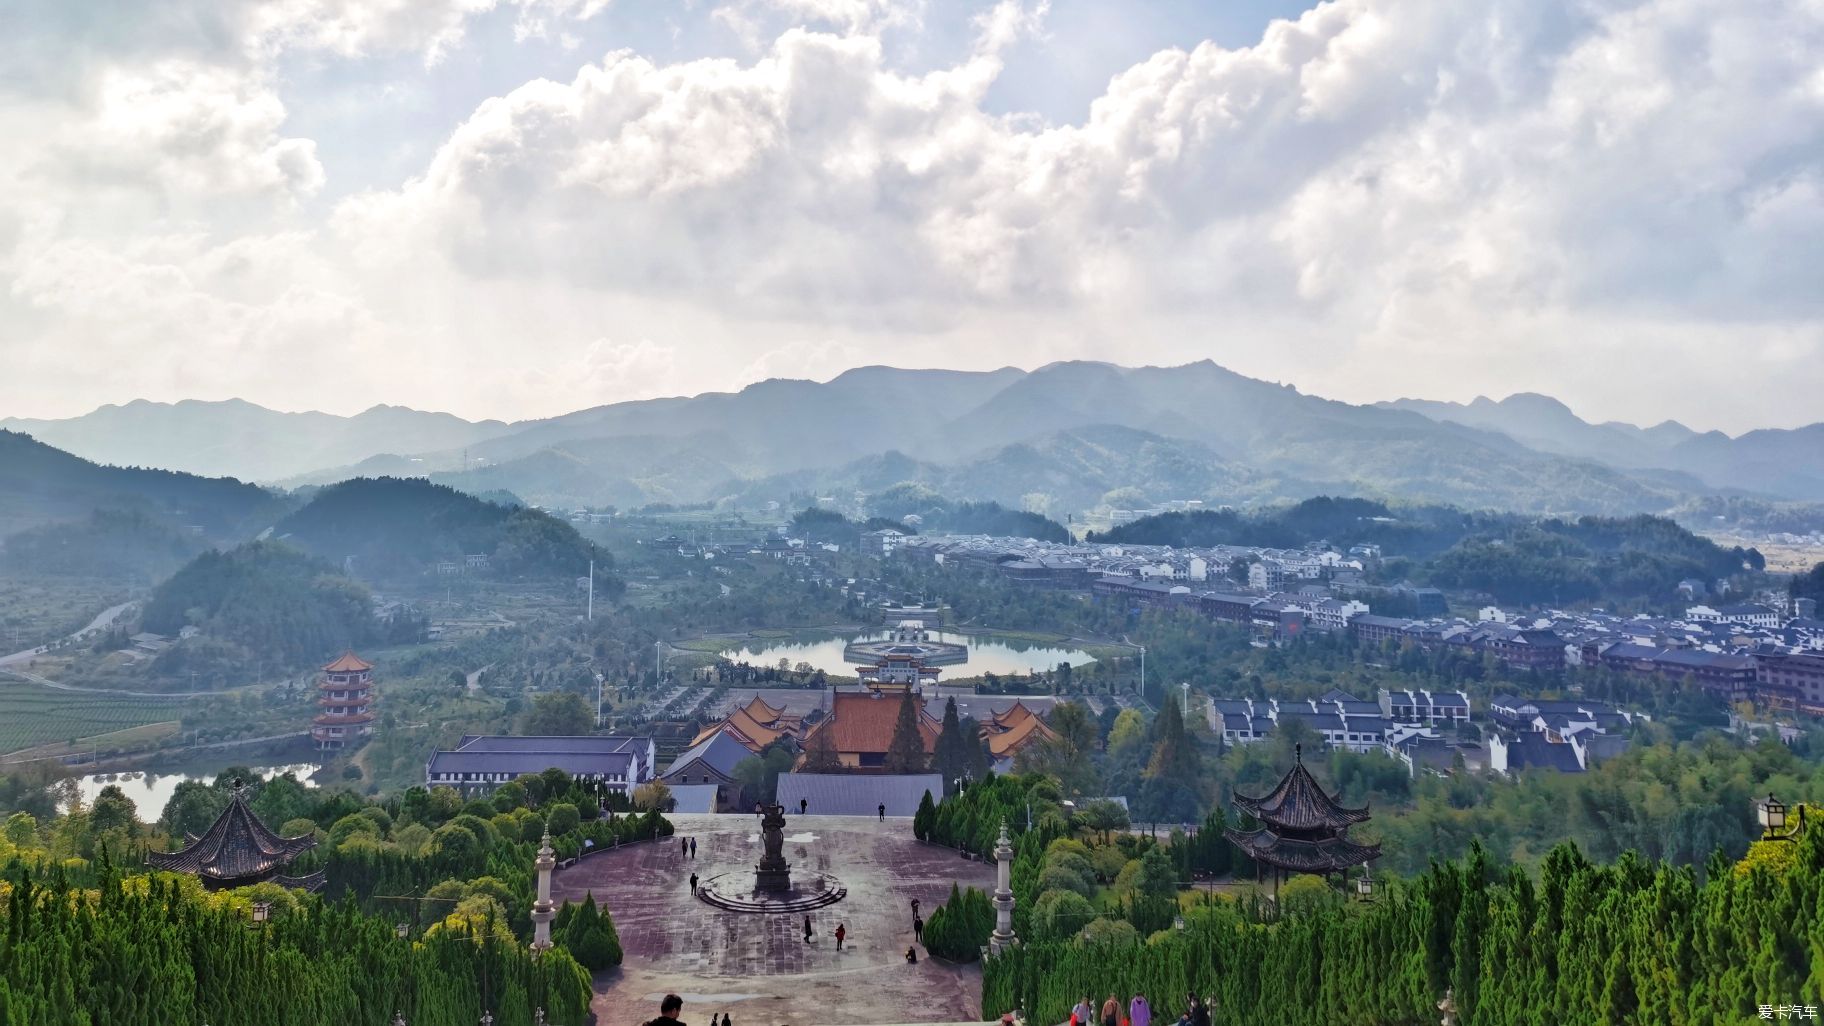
(951, 759)
(906, 752)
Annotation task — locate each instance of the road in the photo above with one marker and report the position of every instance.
(104, 620)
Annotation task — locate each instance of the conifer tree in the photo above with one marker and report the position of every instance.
(906, 752)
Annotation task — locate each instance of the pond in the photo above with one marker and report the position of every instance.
(150, 791)
(988, 653)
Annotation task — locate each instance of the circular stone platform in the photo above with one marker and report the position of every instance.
(735, 892)
(931, 653)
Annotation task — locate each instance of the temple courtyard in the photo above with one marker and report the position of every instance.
(757, 967)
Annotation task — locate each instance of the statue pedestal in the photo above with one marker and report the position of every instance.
(771, 878)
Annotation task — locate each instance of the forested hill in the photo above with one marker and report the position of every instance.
(40, 484)
(1513, 557)
(403, 526)
(263, 597)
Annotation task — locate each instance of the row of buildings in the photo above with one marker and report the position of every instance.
(1518, 734)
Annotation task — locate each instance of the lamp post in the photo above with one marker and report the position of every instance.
(402, 929)
(1364, 887)
(1773, 815)
(262, 911)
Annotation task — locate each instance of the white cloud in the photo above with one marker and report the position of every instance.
(1390, 197)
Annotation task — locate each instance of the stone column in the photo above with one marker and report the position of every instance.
(544, 909)
(1003, 938)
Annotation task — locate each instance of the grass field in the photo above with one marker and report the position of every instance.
(31, 715)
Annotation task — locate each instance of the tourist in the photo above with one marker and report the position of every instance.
(1201, 1015)
(883, 812)
(1111, 1012)
(1139, 1013)
(915, 908)
(804, 806)
(1083, 1014)
(841, 931)
(693, 847)
(684, 847)
(911, 956)
(668, 1011)
(807, 929)
(693, 883)
(918, 929)
(725, 1021)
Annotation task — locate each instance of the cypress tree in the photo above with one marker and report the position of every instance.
(906, 752)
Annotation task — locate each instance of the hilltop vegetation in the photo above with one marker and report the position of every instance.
(41, 485)
(262, 597)
(110, 543)
(938, 516)
(1515, 558)
(402, 526)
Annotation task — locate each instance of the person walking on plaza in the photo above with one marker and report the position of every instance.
(911, 956)
(684, 847)
(915, 908)
(883, 812)
(841, 932)
(1139, 1013)
(693, 883)
(918, 929)
(804, 806)
(807, 929)
(693, 847)
(1084, 1014)
(1111, 1012)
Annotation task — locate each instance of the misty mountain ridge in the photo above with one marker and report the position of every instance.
(236, 438)
(1066, 436)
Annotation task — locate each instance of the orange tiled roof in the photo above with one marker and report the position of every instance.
(763, 712)
(742, 726)
(1009, 741)
(864, 723)
(348, 662)
(1013, 716)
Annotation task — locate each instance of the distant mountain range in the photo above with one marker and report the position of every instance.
(1063, 438)
(234, 438)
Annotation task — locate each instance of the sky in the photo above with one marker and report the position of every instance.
(516, 208)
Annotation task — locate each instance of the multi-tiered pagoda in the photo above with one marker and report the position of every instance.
(345, 700)
(238, 851)
(1303, 830)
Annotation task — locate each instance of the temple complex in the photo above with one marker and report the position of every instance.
(238, 851)
(1303, 830)
(1008, 731)
(755, 725)
(859, 726)
(345, 700)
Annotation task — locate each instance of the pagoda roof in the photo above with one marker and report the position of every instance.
(1013, 715)
(348, 662)
(1328, 855)
(237, 846)
(865, 722)
(1006, 742)
(1299, 803)
(762, 710)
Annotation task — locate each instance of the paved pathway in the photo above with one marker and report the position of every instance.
(104, 619)
(758, 968)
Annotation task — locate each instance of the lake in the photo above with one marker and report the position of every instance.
(150, 791)
(988, 653)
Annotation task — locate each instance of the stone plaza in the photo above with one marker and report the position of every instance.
(756, 967)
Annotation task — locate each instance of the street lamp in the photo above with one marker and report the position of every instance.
(262, 911)
(1364, 887)
(402, 930)
(1772, 814)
